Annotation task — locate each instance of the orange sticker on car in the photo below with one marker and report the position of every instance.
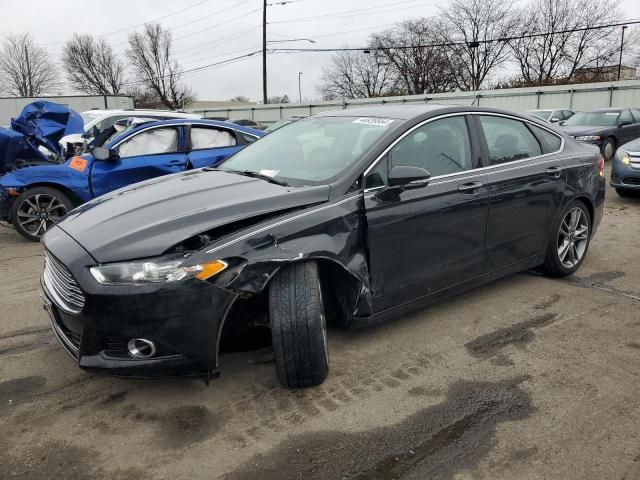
(78, 163)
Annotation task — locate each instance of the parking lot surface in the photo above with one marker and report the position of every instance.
(528, 377)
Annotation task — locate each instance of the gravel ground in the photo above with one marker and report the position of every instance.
(528, 377)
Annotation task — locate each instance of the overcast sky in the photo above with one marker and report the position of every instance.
(215, 30)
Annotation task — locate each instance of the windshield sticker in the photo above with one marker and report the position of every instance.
(78, 163)
(269, 173)
(383, 122)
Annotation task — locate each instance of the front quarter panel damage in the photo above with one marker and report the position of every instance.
(332, 233)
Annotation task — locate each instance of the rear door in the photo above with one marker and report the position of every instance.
(147, 154)
(526, 183)
(429, 238)
(211, 145)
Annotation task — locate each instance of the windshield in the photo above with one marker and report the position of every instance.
(313, 151)
(544, 114)
(594, 119)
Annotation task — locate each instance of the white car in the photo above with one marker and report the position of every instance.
(97, 121)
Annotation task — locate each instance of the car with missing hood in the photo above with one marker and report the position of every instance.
(607, 128)
(349, 217)
(36, 197)
(625, 169)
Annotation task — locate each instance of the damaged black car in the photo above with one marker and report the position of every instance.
(348, 218)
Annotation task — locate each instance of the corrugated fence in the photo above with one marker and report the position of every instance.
(576, 97)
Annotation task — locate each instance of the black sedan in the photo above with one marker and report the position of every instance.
(607, 128)
(349, 217)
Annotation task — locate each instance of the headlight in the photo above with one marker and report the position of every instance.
(154, 271)
(624, 157)
(588, 138)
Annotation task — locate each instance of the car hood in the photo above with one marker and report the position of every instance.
(148, 218)
(632, 146)
(578, 130)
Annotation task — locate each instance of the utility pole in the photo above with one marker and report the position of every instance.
(299, 87)
(624, 27)
(264, 52)
(28, 65)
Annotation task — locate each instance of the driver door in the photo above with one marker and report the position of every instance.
(430, 238)
(148, 154)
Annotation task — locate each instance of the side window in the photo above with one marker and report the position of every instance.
(150, 142)
(568, 114)
(550, 142)
(440, 147)
(557, 114)
(202, 138)
(625, 116)
(636, 114)
(246, 138)
(377, 177)
(508, 140)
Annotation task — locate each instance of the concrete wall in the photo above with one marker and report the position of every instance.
(577, 97)
(11, 106)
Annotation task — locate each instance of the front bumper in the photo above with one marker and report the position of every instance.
(624, 176)
(183, 320)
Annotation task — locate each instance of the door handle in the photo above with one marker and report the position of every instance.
(553, 171)
(175, 162)
(470, 187)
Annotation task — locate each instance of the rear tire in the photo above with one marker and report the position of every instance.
(38, 209)
(569, 241)
(298, 326)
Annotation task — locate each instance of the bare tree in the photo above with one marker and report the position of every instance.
(417, 63)
(150, 55)
(559, 50)
(354, 74)
(92, 67)
(240, 99)
(25, 68)
(468, 27)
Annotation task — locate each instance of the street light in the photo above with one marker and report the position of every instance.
(300, 86)
(624, 27)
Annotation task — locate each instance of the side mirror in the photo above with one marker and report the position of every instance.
(104, 154)
(403, 178)
(408, 177)
(554, 119)
(624, 123)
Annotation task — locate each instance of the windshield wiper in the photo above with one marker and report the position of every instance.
(262, 176)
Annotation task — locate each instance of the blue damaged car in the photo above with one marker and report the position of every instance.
(36, 197)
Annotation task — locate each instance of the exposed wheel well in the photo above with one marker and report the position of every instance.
(247, 324)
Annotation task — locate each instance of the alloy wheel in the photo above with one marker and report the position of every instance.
(608, 150)
(39, 212)
(573, 237)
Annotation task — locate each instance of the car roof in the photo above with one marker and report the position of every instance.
(188, 121)
(605, 110)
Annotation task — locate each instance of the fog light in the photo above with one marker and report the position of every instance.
(141, 348)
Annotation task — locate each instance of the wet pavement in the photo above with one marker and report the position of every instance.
(528, 377)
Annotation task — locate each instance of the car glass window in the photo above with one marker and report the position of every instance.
(150, 142)
(440, 147)
(210, 138)
(557, 114)
(108, 122)
(508, 140)
(550, 142)
(246, 138)
(377, 177)
(625, 116)
(568, 114)
(636, 115)
(594, 119)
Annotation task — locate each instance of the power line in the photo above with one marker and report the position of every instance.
(447, 44)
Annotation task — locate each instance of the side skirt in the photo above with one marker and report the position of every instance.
(421, 302)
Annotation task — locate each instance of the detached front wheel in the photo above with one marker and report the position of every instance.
(38, 209)
(298, 326)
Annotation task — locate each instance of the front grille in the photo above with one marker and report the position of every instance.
(631, 180)
(63, 288)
